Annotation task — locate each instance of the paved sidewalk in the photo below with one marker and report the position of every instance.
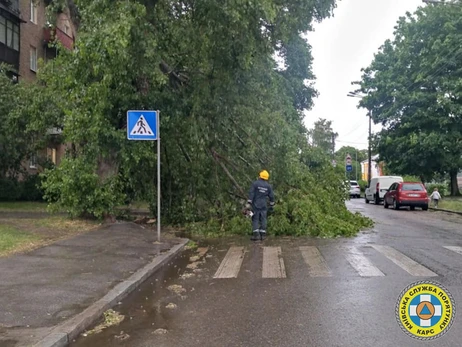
(44, 288)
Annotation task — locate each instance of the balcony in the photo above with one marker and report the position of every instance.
(9, 56)
(11, 6)
(50, 35)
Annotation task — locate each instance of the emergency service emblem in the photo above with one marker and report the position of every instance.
(425, 310)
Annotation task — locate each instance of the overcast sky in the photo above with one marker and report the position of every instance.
(342, 45)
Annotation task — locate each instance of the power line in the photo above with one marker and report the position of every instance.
(354, 143)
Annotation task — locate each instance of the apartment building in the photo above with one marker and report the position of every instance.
(25, 35)
(10, 22)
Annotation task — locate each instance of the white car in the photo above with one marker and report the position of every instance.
(379, 187)
(355, 189)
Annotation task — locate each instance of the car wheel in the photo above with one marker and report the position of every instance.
(385, 204)
(425, 208)
(395, 205)
(412, 208)
(367, 200)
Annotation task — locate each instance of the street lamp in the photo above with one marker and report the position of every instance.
(369, 164)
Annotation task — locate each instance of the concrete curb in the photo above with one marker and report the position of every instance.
(447, 211)
(63, 334)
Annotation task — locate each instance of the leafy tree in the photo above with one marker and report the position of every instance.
(323, 136)
(413, 87)
(227, 112)
(357, 156)
(15, 144)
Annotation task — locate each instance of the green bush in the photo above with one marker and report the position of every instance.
(76, 187)
(10, 190)
(31, 188)
(442, 188)
(409, 178)
(362, 185)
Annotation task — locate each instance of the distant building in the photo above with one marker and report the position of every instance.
(376, 168)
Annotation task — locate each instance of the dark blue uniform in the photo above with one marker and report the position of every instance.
(260, 192)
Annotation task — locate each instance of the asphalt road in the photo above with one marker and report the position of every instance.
(338, 292)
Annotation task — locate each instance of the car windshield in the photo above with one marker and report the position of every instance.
(354, 184)
(412, 187)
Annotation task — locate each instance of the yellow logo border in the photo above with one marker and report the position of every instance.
(405, 321)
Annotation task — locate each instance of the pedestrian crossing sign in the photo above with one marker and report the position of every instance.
(142, 125)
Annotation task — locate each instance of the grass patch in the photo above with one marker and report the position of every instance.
(23, 206)
(19, 235)
(452, 204)
(12, 239)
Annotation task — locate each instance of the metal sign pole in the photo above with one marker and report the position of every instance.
(158, 176)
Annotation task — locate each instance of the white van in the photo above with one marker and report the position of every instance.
(379, 186)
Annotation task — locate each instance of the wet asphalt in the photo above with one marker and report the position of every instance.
(344, 309)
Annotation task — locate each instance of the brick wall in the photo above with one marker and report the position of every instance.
(31, 35)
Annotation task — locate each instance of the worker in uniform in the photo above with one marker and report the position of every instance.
(260, 192)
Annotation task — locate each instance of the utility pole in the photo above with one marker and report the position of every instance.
(369, 164)
(356, 166)
(333, 146)
(369, 167)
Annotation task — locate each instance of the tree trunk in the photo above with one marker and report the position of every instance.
(454, 184)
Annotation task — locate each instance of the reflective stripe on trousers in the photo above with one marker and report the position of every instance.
(259, 220)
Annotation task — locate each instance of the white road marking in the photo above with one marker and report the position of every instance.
(360, 263)
(231, 264)
(454, 249)
(404, 262)
(315, 261)
(273, 264)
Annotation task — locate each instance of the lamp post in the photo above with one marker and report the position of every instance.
(369, 164)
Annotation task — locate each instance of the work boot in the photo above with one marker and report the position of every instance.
(255, 236)
(262, 235)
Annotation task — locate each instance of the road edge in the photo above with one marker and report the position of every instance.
(447, 211)
(63, 334)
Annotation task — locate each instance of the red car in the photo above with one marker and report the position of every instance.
(412, 194)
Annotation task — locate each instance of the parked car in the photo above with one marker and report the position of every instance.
(412, 194)
(355, 189)
(379, 186)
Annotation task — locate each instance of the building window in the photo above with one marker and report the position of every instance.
(33, 161)
(33, 58)
(9, 33)
(33, 11)
(51, 154)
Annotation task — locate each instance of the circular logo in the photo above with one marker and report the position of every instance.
(425, 310)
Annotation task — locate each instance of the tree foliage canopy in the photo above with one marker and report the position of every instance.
(323, 136)
(227, 111)
(414, 89)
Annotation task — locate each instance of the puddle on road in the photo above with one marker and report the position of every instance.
(154, 304)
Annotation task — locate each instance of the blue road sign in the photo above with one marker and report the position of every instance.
(142, 125)
(349, 168)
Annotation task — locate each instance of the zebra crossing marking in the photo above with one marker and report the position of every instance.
(454, 249)
(360, 263)
(317, 265)
(404, 262)
(273, 264)
(231, 264)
